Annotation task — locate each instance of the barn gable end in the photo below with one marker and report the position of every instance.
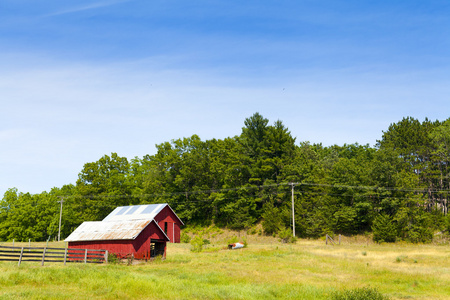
(169, 222)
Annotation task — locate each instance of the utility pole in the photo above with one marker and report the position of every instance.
(60, 216)
(293, 209)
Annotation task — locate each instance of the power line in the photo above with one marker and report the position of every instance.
(210, 191)
(258, 187)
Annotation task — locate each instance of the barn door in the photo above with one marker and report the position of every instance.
(157, 248)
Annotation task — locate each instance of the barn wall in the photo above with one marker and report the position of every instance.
(120, 247)
(166, 215)
(139, 247)
(177, 232)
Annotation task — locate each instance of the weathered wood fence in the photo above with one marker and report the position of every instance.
(330, 239)
(58, 255)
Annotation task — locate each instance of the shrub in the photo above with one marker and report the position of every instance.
(359, 294)
(447, 223)
(384, 230)
(285, 236)
(185, 238)
(252, 231)
(345, 220)
(245, 243)
(130, 259)
(113, 258)
(271, 223)
(414, 225)
(197, 243)
(420, 232)
(232, 240)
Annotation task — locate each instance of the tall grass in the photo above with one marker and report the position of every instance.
(264, 270)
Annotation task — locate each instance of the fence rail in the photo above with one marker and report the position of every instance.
(47, 254)
(329, 238)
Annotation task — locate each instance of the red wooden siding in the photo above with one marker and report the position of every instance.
(139, 247)
(166, 215)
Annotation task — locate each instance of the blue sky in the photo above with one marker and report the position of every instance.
(80, 79)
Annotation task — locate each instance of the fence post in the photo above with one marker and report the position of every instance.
(43, 256)
(65, 256)
(20, 258)
(339, 239)
(106, 256)
(85, 256)
(13, 242)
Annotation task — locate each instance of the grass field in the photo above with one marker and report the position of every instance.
(266, 269)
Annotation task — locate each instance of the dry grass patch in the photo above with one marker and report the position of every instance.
(265, 270)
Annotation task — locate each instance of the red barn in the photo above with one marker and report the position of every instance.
(139, 230)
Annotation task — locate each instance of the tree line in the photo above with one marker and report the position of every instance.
(398, 189)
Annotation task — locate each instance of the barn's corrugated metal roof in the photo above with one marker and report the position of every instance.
(123, 223)
(118, 230)
(135, 212)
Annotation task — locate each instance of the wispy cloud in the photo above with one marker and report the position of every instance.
(60, 115)
(85, 7)
(151, 71)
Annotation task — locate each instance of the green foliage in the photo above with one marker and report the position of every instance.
(345, 220)
(447, 223)
(130, 259)
(414, 224)
(184, 237)
(197, 243)
(242, 181)
(286, 236)
(252, 231)
(400, 259)
(384, 229)
(113, 258)
(103, 185)
(271, 217)
(419, 230)
(233, 239)
(359, 294)
(26, 216)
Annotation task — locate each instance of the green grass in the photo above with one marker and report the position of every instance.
(266, 269)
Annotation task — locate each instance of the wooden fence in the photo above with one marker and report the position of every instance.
(329, 238)
(46, 254)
